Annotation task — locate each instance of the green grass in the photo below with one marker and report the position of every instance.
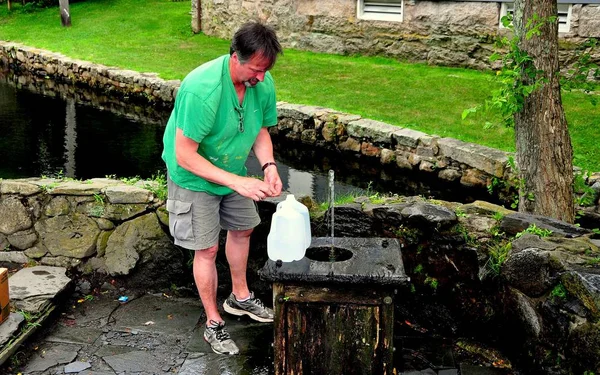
(155, 36)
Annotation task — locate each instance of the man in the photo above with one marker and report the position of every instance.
(222, 110)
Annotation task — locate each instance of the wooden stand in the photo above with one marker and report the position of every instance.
(333, 330)
(336, 317)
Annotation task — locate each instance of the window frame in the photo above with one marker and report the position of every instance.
(562, 27)
(379, 16)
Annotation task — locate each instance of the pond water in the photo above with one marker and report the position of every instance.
(45, 132)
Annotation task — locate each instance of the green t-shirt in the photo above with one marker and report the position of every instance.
(207, 110)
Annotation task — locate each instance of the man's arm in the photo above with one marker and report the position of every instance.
(263, 149)
(186, 152)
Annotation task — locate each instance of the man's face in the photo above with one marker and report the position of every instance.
(253, 70)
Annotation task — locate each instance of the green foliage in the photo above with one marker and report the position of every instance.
(432, 282)
(464, 232)
(460, 213)
(397, 97)
(584, 194)
(418, 268)
(498, 253)
(410, 236)
(559, 291)
(158, 186)
(99, 198)
(518, 77)
(578, 77)
(593, 262)
(498, 216)
(533, 229)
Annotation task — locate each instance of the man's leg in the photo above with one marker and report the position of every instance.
(236, 250)
(205, 276)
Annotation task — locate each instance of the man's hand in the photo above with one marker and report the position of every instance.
(252, 188)
(273, 180)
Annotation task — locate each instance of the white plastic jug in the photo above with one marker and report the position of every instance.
(290, 235)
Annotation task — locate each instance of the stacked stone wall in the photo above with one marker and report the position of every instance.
(449, 160)
(450, 33)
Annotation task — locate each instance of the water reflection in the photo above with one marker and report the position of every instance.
(50, 136)
(50, 128)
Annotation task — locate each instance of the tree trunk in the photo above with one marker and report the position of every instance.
(65, 15)
(544, 152)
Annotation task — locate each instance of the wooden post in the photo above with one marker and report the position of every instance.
(9, 5)
(333, 329)
(65, 15)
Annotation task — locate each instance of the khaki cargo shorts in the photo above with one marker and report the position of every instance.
(196, 218)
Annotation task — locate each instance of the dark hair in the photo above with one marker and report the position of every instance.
(255, 37)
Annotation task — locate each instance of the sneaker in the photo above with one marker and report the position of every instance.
(220, 342)
(253, 307)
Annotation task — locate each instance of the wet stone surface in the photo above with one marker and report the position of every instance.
(162, 334)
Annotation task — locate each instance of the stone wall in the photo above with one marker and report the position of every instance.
(451, 33)
(96, 225)
(449, 160)
(544, 298)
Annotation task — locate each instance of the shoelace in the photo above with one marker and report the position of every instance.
(258, 302)
(220, 330)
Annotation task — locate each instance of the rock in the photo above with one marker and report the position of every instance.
(75, 367)
(141, 245)
(517, 222)
(31, 288)
(23, 240)
(58, 206)
(375, 131)
(128, 194)
(36, 251)
(526, 311)
(528, 240)
(485, 208)
(350, 221)
(429, 214)
(72, 236)
(4, 244)
(19, 187)
(388, 214)
(449, 175)
(16, 257)
(531, 271)
(584, 347)
(14, 214)
(585, 287)
(10, 327)
(483, 158)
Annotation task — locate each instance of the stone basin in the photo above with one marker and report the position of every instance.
(376, 261)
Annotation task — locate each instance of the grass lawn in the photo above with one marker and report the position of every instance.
(155, 36)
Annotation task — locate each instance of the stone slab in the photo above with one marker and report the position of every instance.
(75, 367)
(10, 327)
(251, 337)
(32, 287)
(138, 362)
(74, 335)
(54, 355)
(374, 261)
(216, 364)
(150, 313)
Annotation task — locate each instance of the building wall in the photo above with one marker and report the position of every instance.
(437, 32)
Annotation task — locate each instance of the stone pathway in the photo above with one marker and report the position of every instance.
(149, 334)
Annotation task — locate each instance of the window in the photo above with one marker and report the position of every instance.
(564, 15)
(383, 10)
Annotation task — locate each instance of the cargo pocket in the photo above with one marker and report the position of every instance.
(180, 220)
